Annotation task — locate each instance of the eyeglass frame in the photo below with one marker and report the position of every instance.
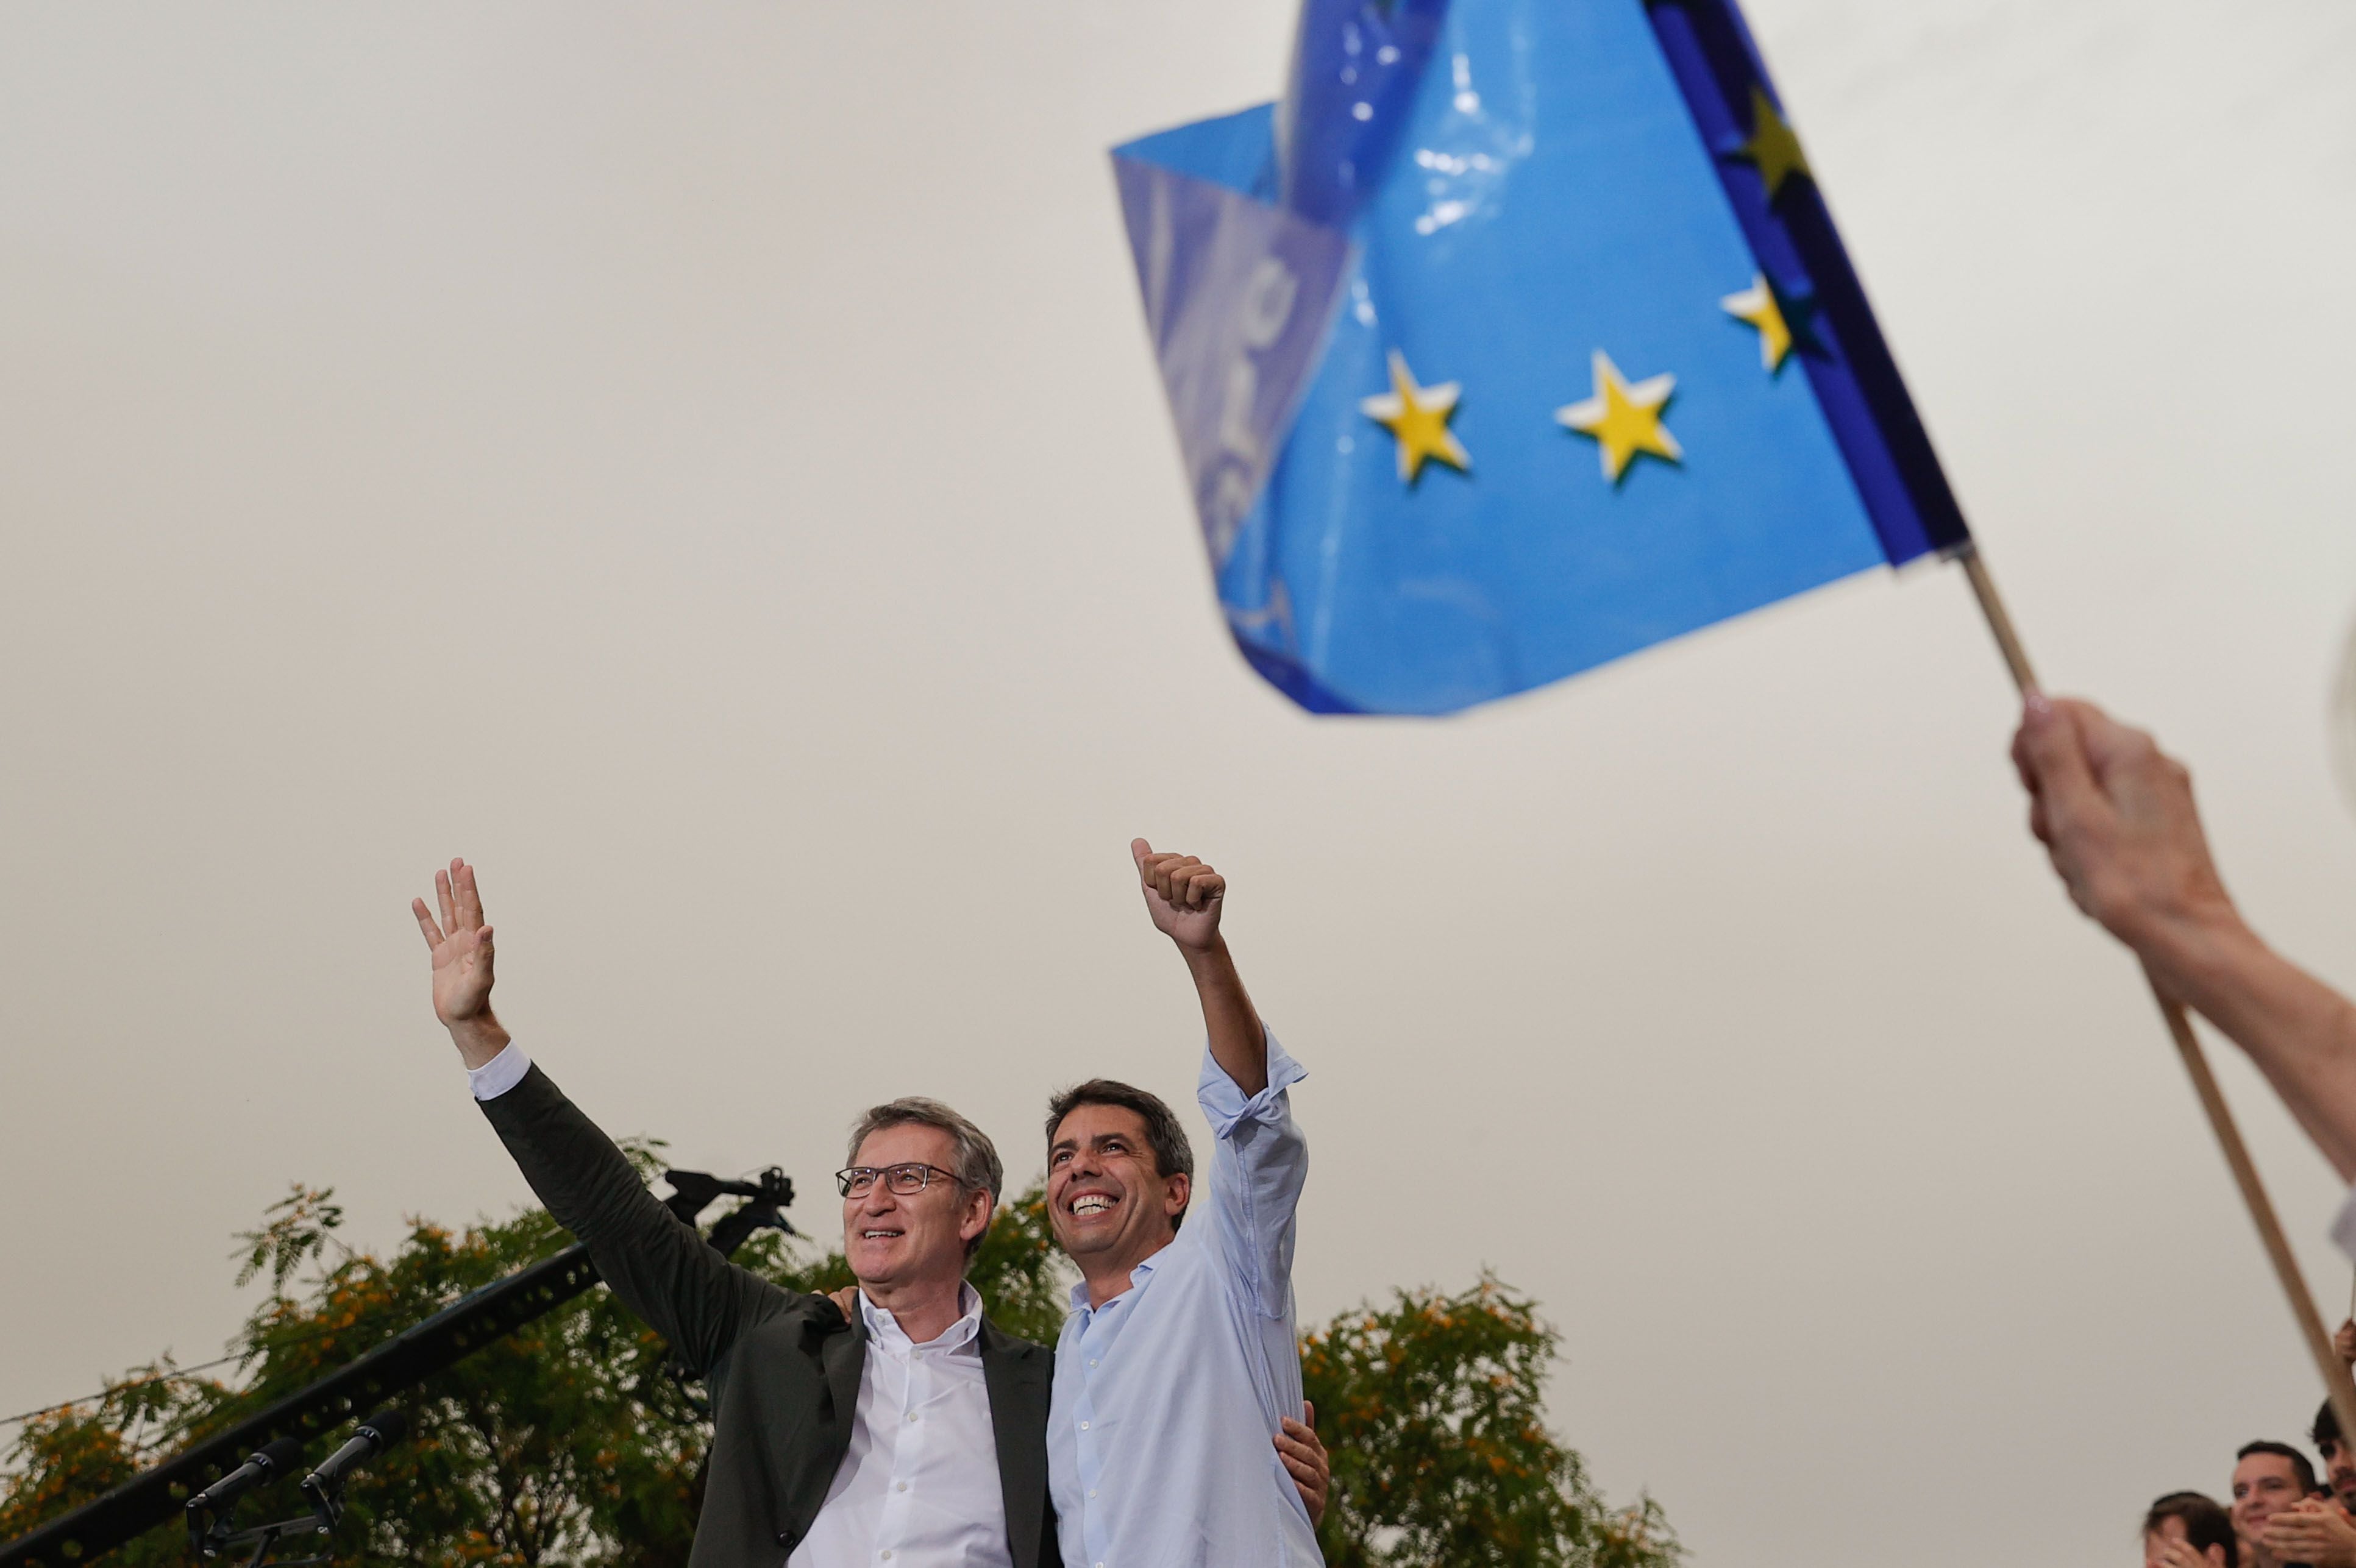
(884, 1172)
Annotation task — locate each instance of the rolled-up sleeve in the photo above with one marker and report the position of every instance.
(1258, 1166)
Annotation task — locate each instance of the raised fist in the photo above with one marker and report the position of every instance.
(1182, 894)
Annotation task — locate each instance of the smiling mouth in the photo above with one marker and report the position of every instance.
(1089, 1203)
(879, 1235)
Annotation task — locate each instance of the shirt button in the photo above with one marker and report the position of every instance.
(1092, 1360)
(903, 1486)
(1084, 1426)
(887, 1554)
(912, 1416)
(1092, 1492)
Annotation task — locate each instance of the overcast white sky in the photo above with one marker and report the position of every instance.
(706, 467)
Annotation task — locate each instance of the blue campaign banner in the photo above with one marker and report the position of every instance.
(1572, 362)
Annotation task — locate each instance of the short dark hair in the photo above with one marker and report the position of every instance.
(1172, 1154)
(2206, 1522)
(2300, 1464)
(2324, 1433)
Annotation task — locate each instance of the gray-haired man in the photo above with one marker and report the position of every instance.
(910, 1430)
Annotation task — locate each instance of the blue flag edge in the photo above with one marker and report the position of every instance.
(1232, 155)
(1873, 419)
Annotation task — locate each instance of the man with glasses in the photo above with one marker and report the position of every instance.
(909, 1433)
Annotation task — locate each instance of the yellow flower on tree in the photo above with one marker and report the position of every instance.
(1624, 418)
(1417, 417)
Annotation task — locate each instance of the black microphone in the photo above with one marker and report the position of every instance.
(375, 1435)
(271, 1459)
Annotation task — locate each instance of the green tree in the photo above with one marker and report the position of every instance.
(1430, 1409)
(570, 1443)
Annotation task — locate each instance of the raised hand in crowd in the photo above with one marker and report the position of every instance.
(463, 957)
(2312, 1531)
(2117, 814)
(2174, 1552)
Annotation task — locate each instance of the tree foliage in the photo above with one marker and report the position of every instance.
(1441, 1452)
(571, 1442)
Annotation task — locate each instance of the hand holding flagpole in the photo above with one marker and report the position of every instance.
(2320, 1346)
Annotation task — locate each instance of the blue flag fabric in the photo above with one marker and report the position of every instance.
(1516, 338)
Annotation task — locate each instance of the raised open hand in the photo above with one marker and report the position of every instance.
(461, 946)
(1182, 894)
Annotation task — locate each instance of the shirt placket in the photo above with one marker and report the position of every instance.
(893, 1531)
(1095, 1340)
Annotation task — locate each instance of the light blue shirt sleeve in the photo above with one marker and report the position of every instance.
(500, 1074)
(1258, 1164)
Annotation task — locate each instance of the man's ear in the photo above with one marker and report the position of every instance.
(977, 1216)
(1175, 1191)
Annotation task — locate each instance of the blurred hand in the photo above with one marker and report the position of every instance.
(1182, 894)
(2312, 1531)
(2344, 1341)
(1305, 1458)
(2116, 814)
(2175, 1553)
(846, 1301)
(2178, 1553)
(461, 946)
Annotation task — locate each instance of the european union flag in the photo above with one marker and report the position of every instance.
(1516, 337)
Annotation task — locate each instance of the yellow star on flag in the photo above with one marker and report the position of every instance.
(1417, 417)
(1757, 304)
(1774, 146)
(1624, 420)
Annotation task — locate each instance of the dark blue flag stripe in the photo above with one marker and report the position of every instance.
(1864, 399)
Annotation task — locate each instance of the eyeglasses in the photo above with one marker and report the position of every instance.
(904, 1180)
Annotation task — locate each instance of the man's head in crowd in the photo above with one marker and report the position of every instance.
(2267, 1478)
(2195, 1521)
(2339, 1463)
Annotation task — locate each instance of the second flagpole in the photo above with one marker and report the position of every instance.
(2337, 1383)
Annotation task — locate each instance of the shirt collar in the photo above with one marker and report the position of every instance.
(1136, 1277)
(885, 1330)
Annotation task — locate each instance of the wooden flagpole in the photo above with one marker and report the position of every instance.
(2336, 1381)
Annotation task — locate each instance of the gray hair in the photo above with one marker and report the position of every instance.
(973, 1158)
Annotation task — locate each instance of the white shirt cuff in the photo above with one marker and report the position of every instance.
(500, 1074)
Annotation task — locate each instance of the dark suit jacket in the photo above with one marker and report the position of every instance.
(783, 1368)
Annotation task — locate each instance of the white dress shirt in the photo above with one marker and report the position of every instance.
(1167, 1396)
(918, 1487)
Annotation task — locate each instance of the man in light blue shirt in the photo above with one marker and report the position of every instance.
(1180, 1357)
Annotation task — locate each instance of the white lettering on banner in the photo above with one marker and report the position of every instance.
(1268, 298)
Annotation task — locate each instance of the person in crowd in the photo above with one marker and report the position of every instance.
(2339, 1463)
(2270, 1480)
(1181, 1354)
(2186, 1529)
(911, 1430)
(2117, 816)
